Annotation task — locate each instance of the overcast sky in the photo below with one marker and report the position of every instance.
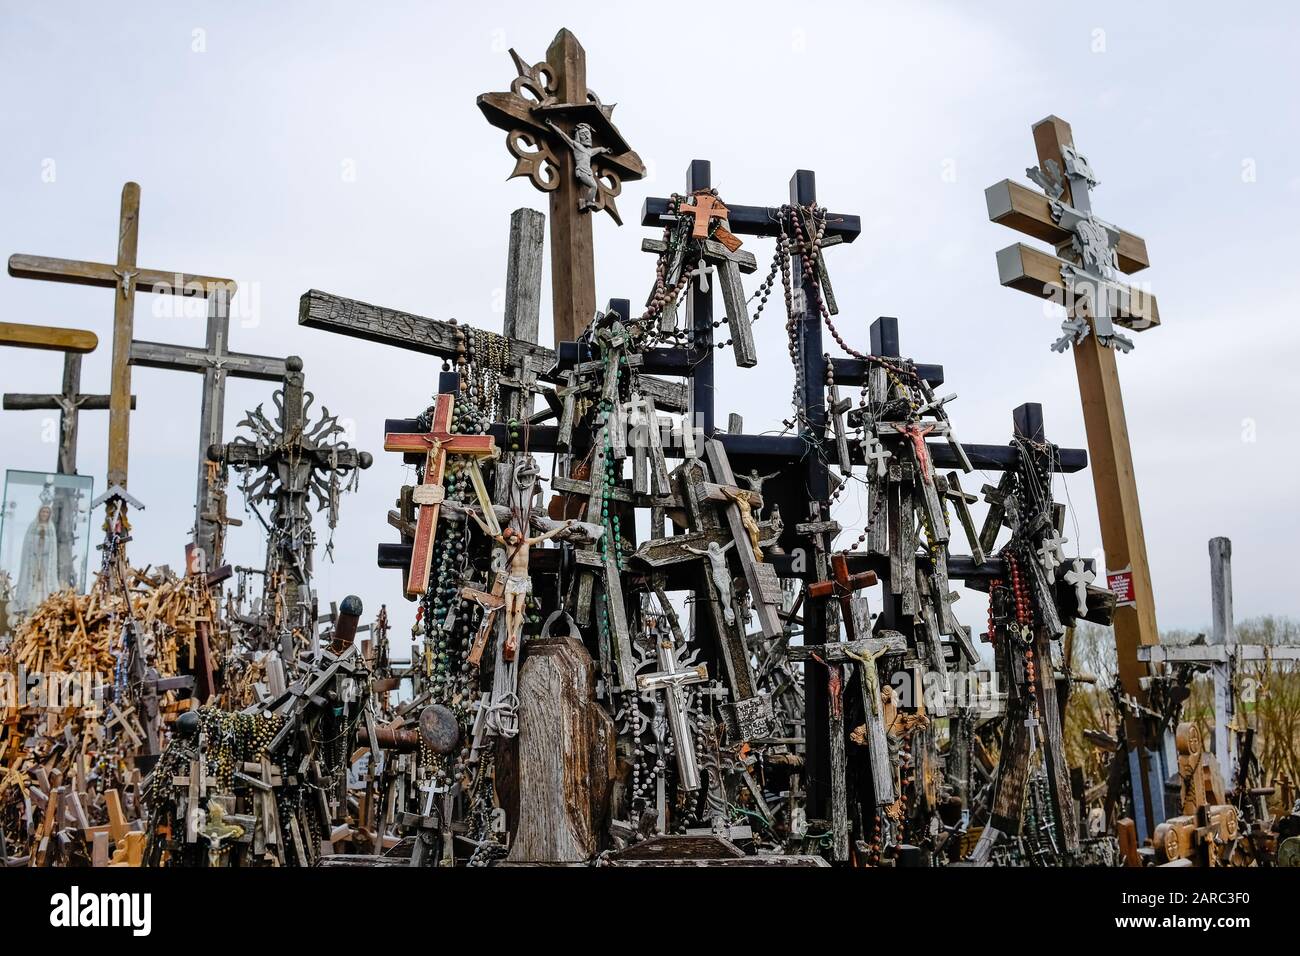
(337, 146)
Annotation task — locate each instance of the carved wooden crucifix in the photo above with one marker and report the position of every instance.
(125, 277)
(435, 444)
(563, 140)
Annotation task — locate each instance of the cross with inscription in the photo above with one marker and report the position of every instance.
(434, 445)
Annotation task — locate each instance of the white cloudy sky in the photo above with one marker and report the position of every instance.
(239, 120)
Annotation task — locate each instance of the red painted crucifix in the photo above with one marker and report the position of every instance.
(436, 445)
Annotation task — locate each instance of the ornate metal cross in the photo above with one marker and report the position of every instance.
(293, 461)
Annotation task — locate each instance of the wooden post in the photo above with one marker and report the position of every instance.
(1223, 635)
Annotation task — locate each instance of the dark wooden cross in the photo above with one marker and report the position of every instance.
(491, 602)
(435, 445)
(125, 277)
(541, 114)
(214, 362)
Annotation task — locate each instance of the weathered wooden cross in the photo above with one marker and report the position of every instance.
(563, 140)
(1091, 254)
(435, 445)
(125, 277)
(214, 361)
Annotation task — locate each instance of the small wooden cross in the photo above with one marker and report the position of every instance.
(704, 210)
(842, 585)
(436, 444)
(491, 602)
(962, 501)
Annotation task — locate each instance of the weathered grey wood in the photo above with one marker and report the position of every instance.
(952, 490)
(331, 313)
(733, 299)
(565, 755)
(765, 607)
(840, 652)
(1222, 634)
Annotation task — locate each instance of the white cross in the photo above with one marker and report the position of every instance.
(702, 272)
(1031, 723)
(1079, 577)
(1051, 552)
(876, 452)
(936, 405)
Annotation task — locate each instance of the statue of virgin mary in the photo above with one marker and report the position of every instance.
(38, 568)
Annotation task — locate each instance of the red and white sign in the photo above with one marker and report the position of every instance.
(1121, 582)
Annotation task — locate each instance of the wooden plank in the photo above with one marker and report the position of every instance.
(1039, 273)
(1030, 211)
(104, 276)
(50, 338)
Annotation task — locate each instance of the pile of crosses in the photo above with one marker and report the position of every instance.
(667, 659)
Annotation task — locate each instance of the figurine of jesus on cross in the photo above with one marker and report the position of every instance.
(583, 153)
(518, 582)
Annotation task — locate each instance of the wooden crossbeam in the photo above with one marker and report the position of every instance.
(1030, 211)
(47, 337)
(1039, 273)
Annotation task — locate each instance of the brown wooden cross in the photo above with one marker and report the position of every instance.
(842, 585)
(704, 210)
(125, 277)
(555, 91)
(435, 445)
(1110, 455)
(491, 602)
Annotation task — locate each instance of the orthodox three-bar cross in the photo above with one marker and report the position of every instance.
(563, 140)
(125, 277)
(435, 445)
(1091, 254)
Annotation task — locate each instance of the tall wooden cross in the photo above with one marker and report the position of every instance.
(214, 362)
(1091, 255)
(125, 277)
(563, 140)
(435, 445)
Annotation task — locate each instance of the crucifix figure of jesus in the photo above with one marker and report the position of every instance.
(518, 583)
(583, 153)
(716, 555)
